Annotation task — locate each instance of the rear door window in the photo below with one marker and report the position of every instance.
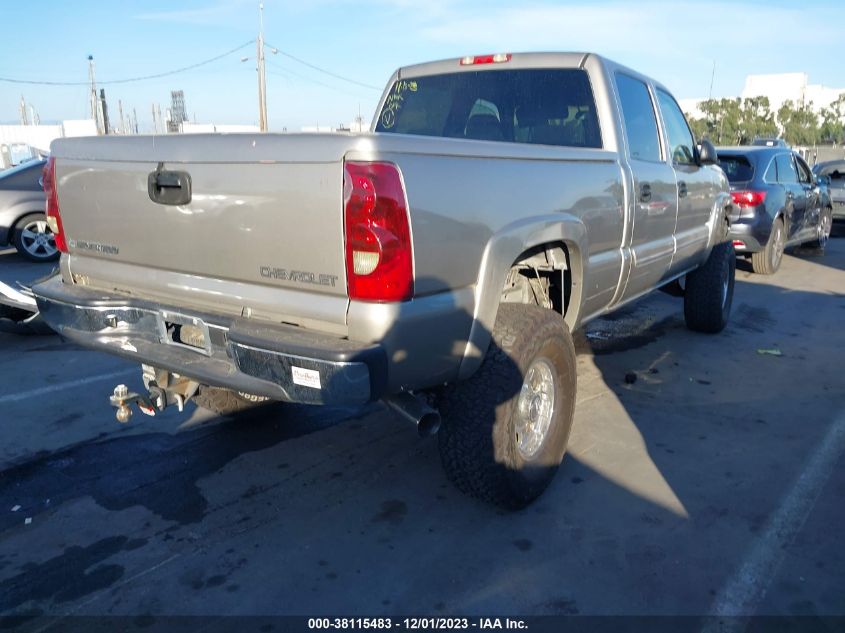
(787, 174)
(771, 172)
(736, 168)
(639, 118)
(539, 106)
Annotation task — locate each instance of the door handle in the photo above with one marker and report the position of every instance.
(645, 192)
(682, 189)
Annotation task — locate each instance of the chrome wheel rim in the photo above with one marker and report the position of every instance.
(535, 408)
(38, 240)
(824, 229)
(777, 250)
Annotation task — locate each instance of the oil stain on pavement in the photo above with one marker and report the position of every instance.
(159, 471)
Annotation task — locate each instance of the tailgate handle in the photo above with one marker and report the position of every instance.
(169, 187)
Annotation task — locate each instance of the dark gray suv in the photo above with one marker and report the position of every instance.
(781, 203)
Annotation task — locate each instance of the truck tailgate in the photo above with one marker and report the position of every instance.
(268, 215)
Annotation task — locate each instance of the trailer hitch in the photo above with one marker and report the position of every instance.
(122, 398)
(175, 390)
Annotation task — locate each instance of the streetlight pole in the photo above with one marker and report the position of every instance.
(262, 86)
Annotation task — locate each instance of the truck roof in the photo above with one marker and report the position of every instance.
(516, 60)
(572, 59)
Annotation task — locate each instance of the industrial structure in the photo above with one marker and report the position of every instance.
(178, 113)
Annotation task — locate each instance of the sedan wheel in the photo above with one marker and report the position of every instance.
(34, 239)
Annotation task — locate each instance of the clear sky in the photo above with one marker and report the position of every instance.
(675, 41)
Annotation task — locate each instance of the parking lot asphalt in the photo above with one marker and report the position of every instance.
(711, 484)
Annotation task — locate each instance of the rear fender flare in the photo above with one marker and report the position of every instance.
(502, 251)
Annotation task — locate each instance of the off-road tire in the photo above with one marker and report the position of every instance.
(825, 229)
(477, 438)
(709, 290)
(767, 261)
(225, 401)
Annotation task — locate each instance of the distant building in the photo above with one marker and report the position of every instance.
(178, 113)
(40, 136)
(780, 87)
(790, 86)
(211, 128)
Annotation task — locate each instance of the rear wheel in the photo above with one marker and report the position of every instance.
(225, 401)
(34, 240)
(709, 290)
(767, 261)
(505, 430)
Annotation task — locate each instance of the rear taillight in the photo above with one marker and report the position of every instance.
(748, 198)
(498, 58)
(379, 259)
(54, 218)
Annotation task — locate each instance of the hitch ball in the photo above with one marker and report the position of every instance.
(121, 392)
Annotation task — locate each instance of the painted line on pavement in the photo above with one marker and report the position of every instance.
(742, 594)
(34, 393)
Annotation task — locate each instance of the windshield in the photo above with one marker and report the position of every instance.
(540, 106)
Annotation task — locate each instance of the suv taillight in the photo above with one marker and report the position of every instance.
(748, 198)
(54, 219)
(379, 258)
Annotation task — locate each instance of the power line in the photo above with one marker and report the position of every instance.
(129, 79)
(287, 73)
(323, 70)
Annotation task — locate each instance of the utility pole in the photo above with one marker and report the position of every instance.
(712, 77)
(134, 121)
(24, 119)
(104, 111)
(122, 121)
(94, 101)
(262, 85)
(159, 119)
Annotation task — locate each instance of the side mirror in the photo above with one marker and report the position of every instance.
(823, 180)
(707, 153)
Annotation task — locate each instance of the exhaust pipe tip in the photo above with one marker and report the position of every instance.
(413, 409)
(429, 424)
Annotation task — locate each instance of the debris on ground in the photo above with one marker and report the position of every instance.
(15, 508)
(630, 378)
(770, 352)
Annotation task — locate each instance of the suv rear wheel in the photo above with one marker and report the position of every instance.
(505, 430)
(767, 261)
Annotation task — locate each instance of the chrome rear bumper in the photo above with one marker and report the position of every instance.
(282, 362)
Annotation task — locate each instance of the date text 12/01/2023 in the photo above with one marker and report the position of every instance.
(417, 623)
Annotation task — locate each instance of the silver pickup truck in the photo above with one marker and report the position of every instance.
(438, 263)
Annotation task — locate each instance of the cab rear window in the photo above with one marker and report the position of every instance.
(736, 168)
(539, 106)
